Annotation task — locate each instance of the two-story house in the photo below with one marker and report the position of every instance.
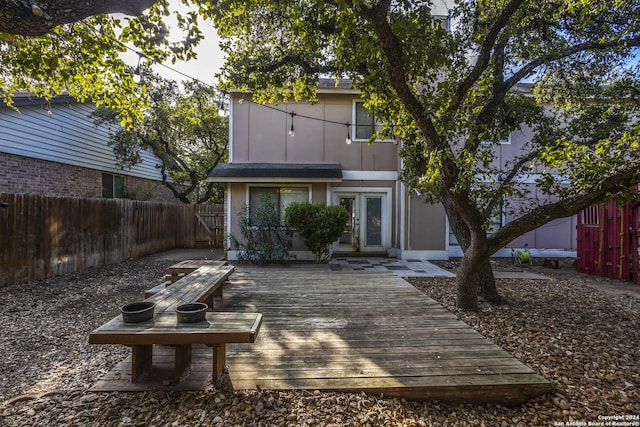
(320, 153)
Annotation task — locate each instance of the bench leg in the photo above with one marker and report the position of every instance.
(219, 360)
(209, 302)
(141, 357)
(182, 360)
(218, 292)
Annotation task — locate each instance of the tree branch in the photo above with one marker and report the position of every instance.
(541, 215)
(527, 69)
(484, 55)
(510, 176)
(37, 17)
(394, 53)
(288, 60)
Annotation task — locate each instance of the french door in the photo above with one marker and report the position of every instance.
(368, 226)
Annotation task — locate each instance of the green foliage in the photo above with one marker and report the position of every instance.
(564, 71)
(262, 239)
(320, 225)
(143, 192)
(183, 128)
(451, 96)
(83, 58)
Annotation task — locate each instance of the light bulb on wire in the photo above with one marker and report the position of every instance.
(291, 131)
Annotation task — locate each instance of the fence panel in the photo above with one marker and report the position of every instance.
(209, 224)
(44, 236)
(609, 241)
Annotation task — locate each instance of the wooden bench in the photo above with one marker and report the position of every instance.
(220, 328)
(151, 292)
(181, 269)
(202, 285)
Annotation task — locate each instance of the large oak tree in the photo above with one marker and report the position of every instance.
(564, 68)
(447, 95)
(183, 128)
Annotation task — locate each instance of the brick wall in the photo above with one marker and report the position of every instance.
(20, 174)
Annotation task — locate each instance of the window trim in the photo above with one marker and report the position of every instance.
(354, 125)
(446, 21)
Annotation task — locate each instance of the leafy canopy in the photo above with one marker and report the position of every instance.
(82, 56)
(183, 127)
(566, 70)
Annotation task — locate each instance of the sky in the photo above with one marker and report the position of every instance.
(208, 62)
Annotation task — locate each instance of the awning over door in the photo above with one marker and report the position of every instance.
(276, 172)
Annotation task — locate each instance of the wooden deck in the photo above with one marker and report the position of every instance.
(365, 332)
(348, 331)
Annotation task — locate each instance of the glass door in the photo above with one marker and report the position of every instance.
(366, 228)
(349, 241)
(373, 221)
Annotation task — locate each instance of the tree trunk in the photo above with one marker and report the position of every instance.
(467, 277)
(487, 285)
(475, 274)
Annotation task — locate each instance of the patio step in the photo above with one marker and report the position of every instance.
(345, 254)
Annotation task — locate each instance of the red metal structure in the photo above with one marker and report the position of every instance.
(609, 240)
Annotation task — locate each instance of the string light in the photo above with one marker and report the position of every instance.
(36, 9)
(137, 78)
(291, 131)
(348, 139)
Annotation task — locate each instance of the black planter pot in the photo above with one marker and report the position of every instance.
(139, 311)
(192, 313)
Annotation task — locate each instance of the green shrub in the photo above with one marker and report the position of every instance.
(263, 240)
(320, 225)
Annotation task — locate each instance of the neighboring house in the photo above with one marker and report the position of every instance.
(53, 148)
(302, 152)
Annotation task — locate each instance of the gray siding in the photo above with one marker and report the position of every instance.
(63, 133)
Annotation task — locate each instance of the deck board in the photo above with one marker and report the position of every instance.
(352, 331)
(371, 332)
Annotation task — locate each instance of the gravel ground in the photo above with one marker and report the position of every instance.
(580, 332)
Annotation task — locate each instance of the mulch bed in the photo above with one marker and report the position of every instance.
(582, 333)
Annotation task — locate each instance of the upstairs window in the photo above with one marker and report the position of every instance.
(445, 23)
(365, 123)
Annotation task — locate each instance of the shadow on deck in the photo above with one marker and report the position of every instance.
(354, 332)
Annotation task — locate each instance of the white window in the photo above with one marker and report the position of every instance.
(496, 221)
(364, 122)
(445, 23)
(281, 197)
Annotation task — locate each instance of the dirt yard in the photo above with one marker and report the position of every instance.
(582, 333)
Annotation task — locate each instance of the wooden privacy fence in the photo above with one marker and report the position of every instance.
(609, 240)
(44, 236)
(209, 226)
